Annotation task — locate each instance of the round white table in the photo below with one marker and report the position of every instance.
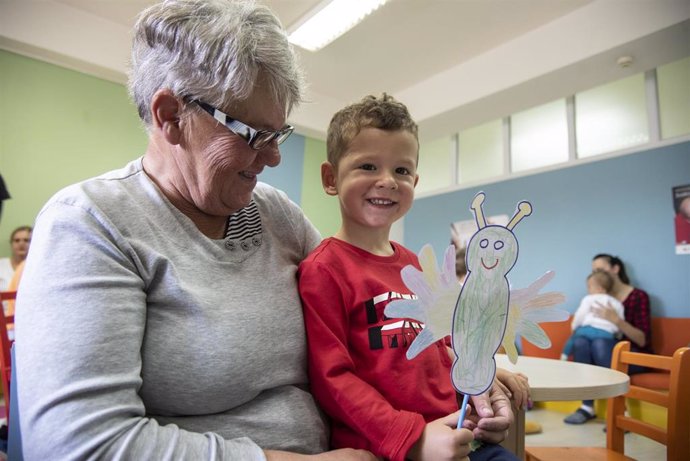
(551, 379)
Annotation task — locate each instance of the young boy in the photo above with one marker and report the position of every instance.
(376, 398)
(585, 322)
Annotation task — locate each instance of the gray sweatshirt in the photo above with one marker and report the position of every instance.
(140, 338)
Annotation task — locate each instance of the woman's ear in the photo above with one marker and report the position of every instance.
(328, 178)
(165, 115)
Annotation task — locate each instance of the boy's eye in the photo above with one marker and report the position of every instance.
(402, 170)
(368, 167)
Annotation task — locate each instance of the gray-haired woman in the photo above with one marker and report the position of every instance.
(159, 316)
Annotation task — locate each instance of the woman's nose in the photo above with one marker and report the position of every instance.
(270, 155)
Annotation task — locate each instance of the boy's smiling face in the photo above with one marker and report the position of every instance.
(375, 179)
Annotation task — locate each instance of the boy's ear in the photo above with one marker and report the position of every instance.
(165, 115)
(328, 180)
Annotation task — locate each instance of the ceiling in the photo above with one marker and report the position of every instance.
(455, 63)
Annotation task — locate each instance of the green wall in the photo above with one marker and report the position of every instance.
(323, 210)
(57, 127)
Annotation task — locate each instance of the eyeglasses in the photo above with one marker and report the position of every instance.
(257, 139)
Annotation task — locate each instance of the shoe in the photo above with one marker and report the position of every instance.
(579, 417)
(532, 427)
(604, 431)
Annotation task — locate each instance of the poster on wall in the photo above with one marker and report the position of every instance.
(681, 206)
(462, 231)
(460, 234)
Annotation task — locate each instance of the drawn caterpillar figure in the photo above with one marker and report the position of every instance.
(481, 311)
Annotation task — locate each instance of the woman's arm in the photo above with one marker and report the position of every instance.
(345, 454)
(635, 334)
(81, 318)
(608, 312)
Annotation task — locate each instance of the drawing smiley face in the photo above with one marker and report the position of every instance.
(493, 251)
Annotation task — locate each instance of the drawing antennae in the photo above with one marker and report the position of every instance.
(524, 209)
(477, 208)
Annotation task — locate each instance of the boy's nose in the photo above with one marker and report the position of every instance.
(386, 181)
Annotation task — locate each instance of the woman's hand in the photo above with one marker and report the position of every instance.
(606, 312)
(515, 386)
(491, 416)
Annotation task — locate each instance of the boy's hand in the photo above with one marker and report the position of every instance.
(442, 441)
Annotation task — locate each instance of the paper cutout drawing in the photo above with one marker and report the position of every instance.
(482, 314)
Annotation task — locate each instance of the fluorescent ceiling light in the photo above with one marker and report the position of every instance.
(329, 20)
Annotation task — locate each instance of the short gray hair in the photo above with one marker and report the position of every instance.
(213, 50)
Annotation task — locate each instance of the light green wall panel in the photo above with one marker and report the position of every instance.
(674, 98)
(539, 136)
(480, 152)
(433, 169)
(57, 127)
(611, 117)
(323, 210)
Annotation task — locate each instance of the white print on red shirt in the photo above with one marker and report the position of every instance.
(389, 333)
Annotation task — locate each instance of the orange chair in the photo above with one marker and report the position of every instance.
(676, 401)
(5, 348)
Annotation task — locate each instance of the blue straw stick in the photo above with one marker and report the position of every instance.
(463, 410)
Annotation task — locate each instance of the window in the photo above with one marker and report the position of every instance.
(611, 117)
(434, 158)
(539, 136)
(480, 152)
(673, 81)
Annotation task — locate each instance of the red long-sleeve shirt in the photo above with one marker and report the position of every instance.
(376, 398)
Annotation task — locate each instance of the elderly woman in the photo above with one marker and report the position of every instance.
(159, 316)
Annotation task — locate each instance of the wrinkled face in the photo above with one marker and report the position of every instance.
(375, 178)
(492, 251)
(219, 169)
(20, 244)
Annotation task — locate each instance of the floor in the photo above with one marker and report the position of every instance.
(556, 433)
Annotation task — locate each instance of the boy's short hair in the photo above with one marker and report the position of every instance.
(603, 278)
(385, 113)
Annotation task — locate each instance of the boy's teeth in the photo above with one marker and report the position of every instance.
(380, 201)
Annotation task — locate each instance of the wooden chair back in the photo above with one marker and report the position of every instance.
(5, 346)
(676, 436)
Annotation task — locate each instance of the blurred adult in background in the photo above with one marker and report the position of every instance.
(635, 326)
(158, 316)
(20, 239)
